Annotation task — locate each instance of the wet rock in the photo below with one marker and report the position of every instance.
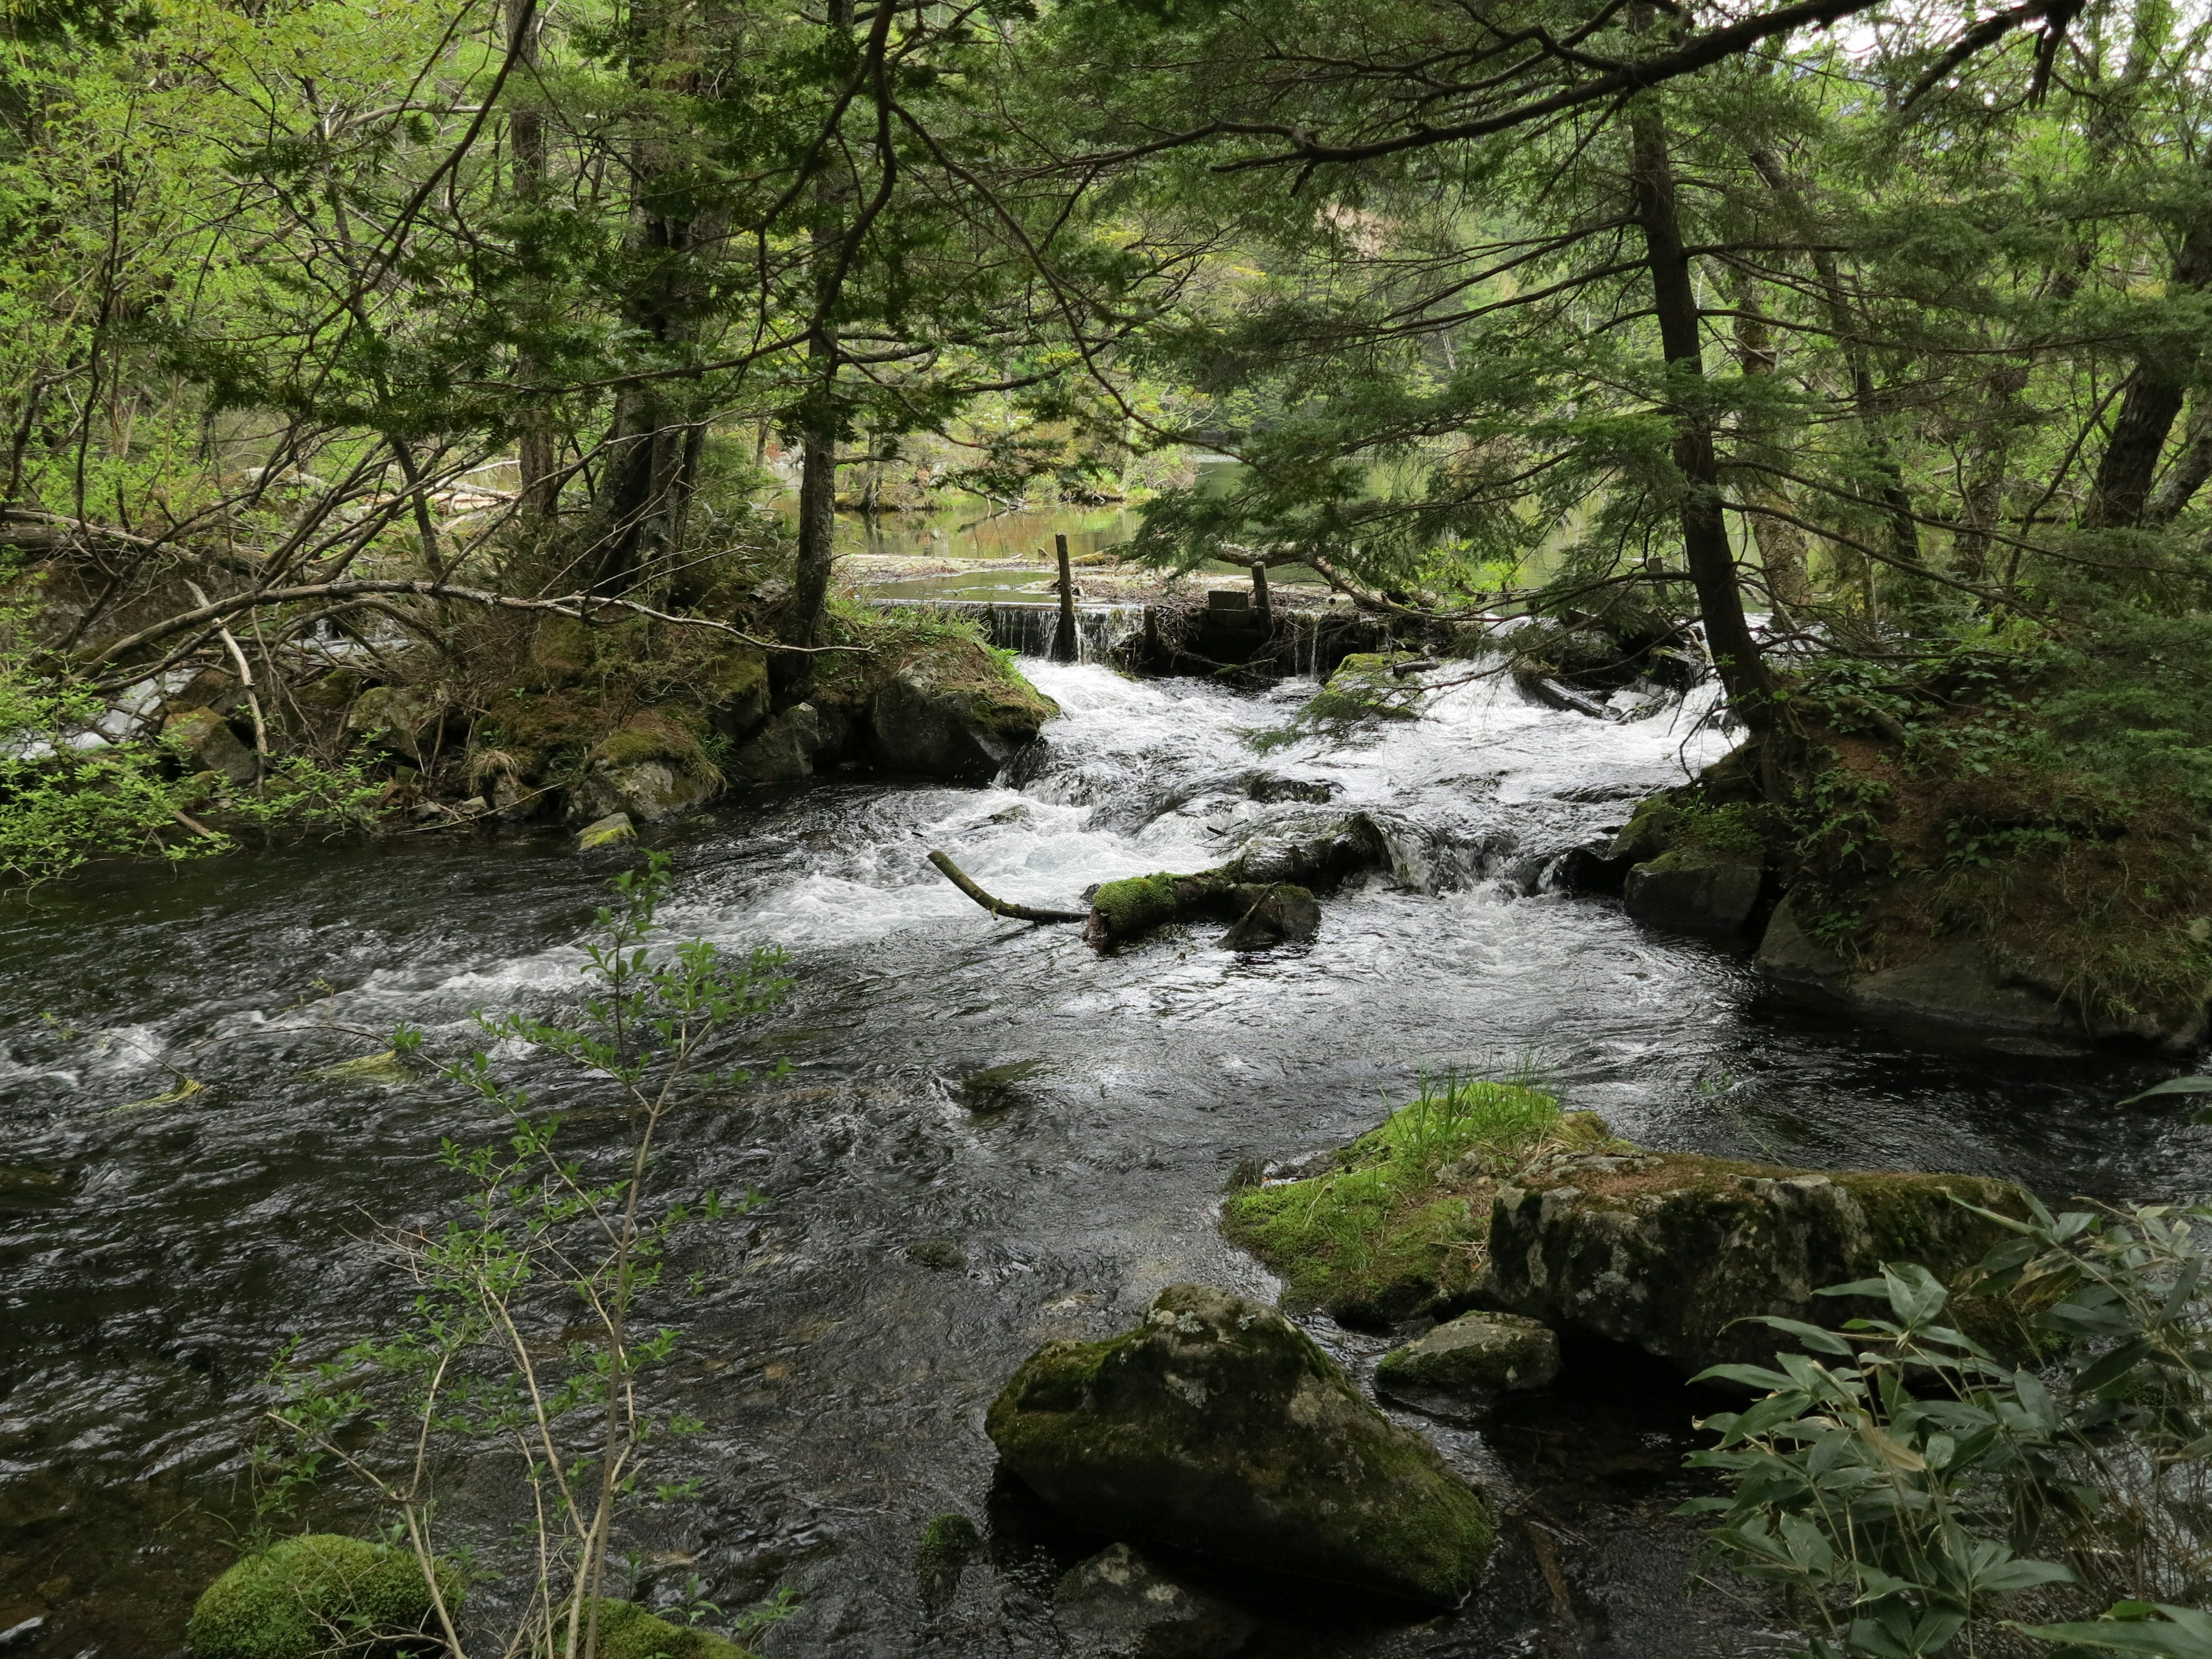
(783, 750)
(1955, 981)
(1280, 914)
(1217, 1426)
(1669, 1251)
(650, 768)
(286, 1602)
(948, 1543)
(612, 831)
(939, 1254)
(1693, 890)
(649, 791)
(208, 745)
(1466, 1363)
(956, 715)
(1269, 786)
(1117, 1605)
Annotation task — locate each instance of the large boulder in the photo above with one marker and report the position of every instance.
(1691, 890)
(955, 713)
(1671, 1251)
(1217, 1426)
(738, 691)
(315, 1594)
(783, 749)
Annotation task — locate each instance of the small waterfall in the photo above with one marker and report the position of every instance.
(1027, 630)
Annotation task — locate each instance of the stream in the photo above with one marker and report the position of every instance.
(990, 1136)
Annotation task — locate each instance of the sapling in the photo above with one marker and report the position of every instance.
(549, 1240)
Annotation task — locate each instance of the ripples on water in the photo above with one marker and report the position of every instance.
(152, 1256)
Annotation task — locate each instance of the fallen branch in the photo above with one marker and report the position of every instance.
(960, 878)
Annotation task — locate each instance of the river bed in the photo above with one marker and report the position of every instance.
(1053, 1128)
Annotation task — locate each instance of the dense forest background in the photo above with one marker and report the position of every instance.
(420, 324)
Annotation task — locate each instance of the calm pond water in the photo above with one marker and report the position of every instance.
(154, 1256)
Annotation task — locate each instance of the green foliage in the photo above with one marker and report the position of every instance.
(318, 1595)
(529, 1333)
(1909, 1492)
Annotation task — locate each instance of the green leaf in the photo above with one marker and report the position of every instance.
(2175, 1086)
(2183, 1633)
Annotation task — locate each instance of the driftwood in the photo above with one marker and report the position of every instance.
(960, 878)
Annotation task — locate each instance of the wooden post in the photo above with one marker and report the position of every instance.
(1260, 600)
(1064, 641)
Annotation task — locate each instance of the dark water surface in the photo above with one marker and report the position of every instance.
(152, 1256)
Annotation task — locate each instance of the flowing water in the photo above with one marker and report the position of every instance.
(991, 1136)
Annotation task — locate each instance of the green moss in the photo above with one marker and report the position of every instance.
(627, 1631)
(1136, 904)
(1401, 1222)
(560, 649)
(317, 1594)
(947, 1542)
(650, 735)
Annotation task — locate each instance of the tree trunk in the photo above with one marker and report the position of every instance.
(1781, 542)
(644, 491)
(1743, 673)
(2163, 370)
(818, 414)
(525, 131)
(1844, 327)
(2190, 468)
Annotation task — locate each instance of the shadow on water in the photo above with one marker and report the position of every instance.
(991, 1137)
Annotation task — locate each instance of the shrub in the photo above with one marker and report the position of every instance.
(1907, 1491)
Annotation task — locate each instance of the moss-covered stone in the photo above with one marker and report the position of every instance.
(1471, 1360)
(1675, 1253)
(651, 768)
(315, 1596)
(629, 1631)
(952, 710)
(613, 830)
(1397, 1223)
(1694, 890)
(1270, 877)
(1135, 905)
(561, 651)
(1217, 1426)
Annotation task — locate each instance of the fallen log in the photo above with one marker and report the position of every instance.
(960, 878)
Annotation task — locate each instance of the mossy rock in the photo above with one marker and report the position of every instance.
(319, 1595)
(736, 691)
(1676, 1253)
(627, 1631)
(1470, 1360)
(1694, 890)
(1217, 1426)
(1364, 684)
(1397, 1224)
(953, 709)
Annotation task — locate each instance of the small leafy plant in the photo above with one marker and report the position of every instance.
(528, 1332)
(1908, 1489)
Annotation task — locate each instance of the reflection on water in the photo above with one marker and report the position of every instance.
(1051, 1128)
(970, 527)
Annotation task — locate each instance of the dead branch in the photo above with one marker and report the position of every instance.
(960, 878)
